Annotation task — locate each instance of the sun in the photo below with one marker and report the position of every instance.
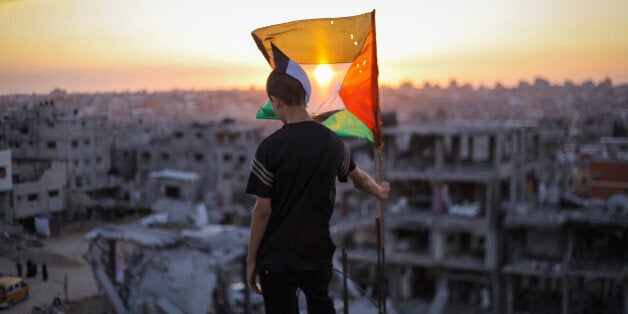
(323, 74)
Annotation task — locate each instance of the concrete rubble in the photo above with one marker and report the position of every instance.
(147, 270)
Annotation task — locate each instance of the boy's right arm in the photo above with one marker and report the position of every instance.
(365, 183)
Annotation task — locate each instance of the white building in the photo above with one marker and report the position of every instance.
(6, 185)
(39, 188)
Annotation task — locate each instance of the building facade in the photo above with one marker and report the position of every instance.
(83, 142)
(449, 248)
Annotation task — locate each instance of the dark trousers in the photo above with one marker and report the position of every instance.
(280, 291)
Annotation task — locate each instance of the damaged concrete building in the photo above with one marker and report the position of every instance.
(146, 270)
(54, 153)
(448, 249)
(39, 188)
(184, 166)
(6, 182)
(565, 261)
(82, 142)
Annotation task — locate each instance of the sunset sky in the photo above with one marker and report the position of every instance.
(118, 45)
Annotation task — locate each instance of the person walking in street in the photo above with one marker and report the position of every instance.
(44, 271)
(19, 264)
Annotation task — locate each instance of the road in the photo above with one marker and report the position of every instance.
(63, 255)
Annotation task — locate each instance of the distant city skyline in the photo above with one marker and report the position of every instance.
(96, 46)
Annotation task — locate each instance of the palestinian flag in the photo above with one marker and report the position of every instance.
(336, 61)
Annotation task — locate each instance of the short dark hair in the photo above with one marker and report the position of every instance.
(285, 87)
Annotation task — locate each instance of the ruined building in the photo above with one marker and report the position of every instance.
(218, 154)
(142, 270)
(179, 170)
(6, 183)
(39, 188)
(53, 155)
(82, 142)
(454, 239)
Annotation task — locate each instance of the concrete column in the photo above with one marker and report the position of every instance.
(491, 204)
(394, 282)
(470, 144)
(625, 302)
(510, 295)
(439, 153)
(570, 245)
(437, 197)
(497, 292)
(491, 249)
(523, 143)
(499, 147)
(564, 298)
(439, 302)
(438, 244)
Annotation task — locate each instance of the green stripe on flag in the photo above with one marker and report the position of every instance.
(344, 123)
(266, 112)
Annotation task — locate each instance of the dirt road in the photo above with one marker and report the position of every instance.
(63, 255)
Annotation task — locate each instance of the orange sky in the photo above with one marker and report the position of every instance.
(88, 45)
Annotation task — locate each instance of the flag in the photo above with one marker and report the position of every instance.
(335, 59)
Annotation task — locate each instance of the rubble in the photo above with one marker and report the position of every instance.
(154, 270)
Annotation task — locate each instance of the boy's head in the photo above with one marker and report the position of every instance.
(285, 87)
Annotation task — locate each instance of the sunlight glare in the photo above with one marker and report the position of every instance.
(323, 74)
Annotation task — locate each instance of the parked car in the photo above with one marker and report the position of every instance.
(12, 290)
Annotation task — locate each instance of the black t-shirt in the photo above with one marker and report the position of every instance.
(296, 167)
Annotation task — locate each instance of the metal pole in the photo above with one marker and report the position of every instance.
(345, 272)
(378, 268)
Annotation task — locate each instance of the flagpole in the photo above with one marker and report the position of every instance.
(381, 280)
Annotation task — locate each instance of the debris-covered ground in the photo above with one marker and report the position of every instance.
(63, 255)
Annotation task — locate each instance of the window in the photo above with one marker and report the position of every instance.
(178, 134)
(75, 143)
(199, 157)
(173, 191)
(33, 197)
(51, 145)
(165, 156)
(53, 193)
(86, 141)
(3, 172)
(146, 156)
